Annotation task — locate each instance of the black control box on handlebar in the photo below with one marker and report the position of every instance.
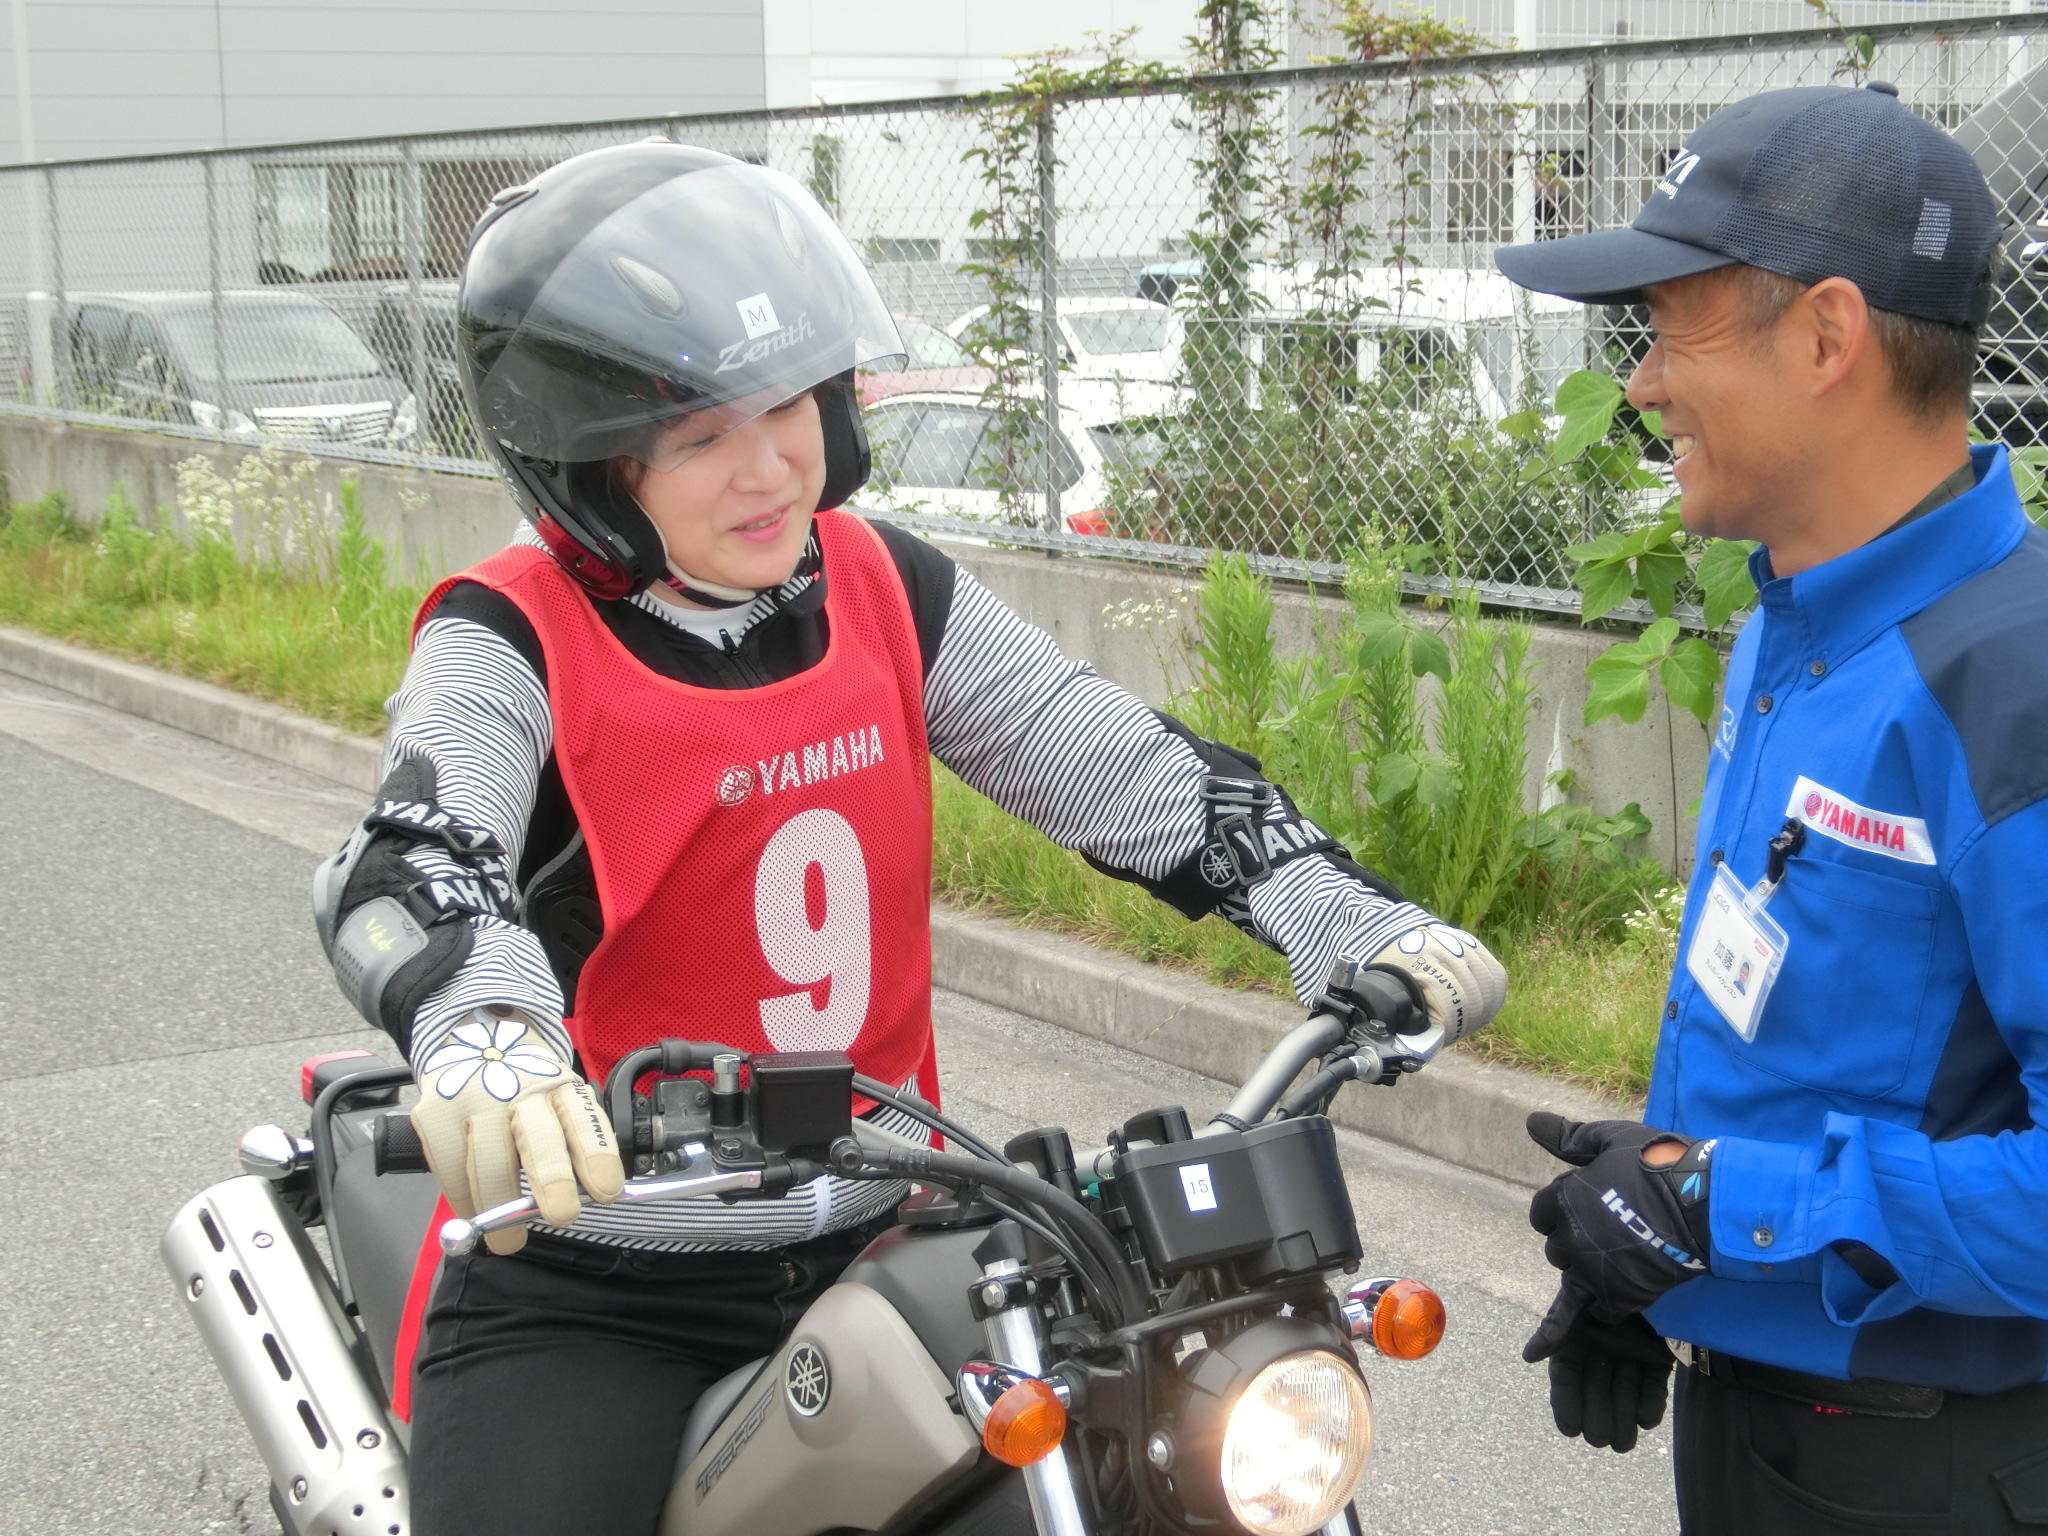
(1270, 1201)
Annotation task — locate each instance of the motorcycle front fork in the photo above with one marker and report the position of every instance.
(1013, 1339)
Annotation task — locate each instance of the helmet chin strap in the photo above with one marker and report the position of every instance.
(707, 594)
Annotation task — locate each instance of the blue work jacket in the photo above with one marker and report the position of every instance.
(1880, 1187)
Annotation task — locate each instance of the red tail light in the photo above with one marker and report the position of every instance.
(1089, 522)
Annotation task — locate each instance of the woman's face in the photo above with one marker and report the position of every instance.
(737, 510)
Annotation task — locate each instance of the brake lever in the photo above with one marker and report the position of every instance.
(1385, 1021)
(459, 1236)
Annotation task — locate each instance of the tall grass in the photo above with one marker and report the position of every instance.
(1406, 738)
(1581, 1007)
(249, 585)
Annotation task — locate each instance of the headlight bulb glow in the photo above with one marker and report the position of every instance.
(1296, 1443)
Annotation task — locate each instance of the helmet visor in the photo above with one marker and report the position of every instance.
(709, 298)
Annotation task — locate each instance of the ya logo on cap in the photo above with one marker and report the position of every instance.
(1674, 178)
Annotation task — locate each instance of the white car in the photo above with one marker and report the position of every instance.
(936, 453)
(1128, 339)
(1454, 328)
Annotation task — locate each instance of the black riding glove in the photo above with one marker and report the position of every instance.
(1622, 1231)
(1608, 1381)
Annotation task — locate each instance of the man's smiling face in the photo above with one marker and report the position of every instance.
(1736, 427)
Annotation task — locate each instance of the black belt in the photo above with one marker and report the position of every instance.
(1883, 1399)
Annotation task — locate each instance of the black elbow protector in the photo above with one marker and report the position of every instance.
(392, 933)
(1253, 828)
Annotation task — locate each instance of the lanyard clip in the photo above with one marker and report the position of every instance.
(1790, 839)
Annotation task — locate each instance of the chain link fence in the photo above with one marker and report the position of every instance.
(1251, 312)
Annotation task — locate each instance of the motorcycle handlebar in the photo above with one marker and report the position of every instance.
(1261, 1091)
(459, 1235)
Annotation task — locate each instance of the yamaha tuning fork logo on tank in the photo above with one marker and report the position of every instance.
(807, 1380)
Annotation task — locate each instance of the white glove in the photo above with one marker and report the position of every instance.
(497, 1099)
(1314, 910)
(1462, 984)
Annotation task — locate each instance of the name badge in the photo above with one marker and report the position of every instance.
(1736, 950)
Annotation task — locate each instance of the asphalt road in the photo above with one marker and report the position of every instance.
(161, 983)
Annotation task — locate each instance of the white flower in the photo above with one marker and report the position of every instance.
(1453, 939)
(495, 1051)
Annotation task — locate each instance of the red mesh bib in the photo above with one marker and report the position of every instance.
(762, 855)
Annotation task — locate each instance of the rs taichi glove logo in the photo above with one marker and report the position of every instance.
(1626, 1215)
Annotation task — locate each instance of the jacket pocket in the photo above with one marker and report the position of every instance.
(1846, 1013)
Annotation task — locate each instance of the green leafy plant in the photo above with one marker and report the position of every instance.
(1405, 736)
(1015, 162)
(1655, 562)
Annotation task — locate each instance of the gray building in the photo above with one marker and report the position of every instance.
(112, 77)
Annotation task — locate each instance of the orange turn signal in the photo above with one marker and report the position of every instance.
(1407, 1320)
(1026, 1424)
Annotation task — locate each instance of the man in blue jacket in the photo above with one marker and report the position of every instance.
(1836, 1210)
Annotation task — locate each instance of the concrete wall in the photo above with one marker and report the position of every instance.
(442, 521)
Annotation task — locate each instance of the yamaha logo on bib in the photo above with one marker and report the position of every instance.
(808, 1380)
(735, 785)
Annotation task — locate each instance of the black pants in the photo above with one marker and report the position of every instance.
(1751, 1464)
(552, 1385)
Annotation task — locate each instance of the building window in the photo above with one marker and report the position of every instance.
(904, 248)
(348, 222)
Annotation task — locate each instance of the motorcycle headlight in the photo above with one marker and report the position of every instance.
(1295, 1444)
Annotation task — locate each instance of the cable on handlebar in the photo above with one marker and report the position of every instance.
(928, 1114)
(1313, 1096)
(1100, 1283)
(1123, 1297)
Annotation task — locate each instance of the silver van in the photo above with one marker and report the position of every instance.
(255, 364)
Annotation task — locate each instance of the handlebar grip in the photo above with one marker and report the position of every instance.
(395, 1146)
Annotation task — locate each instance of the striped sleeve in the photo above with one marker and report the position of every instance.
(472, 708)
(1101, 773)
(1052, 742)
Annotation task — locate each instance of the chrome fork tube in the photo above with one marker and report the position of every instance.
(1013, 1338)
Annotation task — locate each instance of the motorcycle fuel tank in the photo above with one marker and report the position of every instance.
(848, 1424)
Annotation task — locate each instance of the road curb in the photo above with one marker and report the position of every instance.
(1461, 1110)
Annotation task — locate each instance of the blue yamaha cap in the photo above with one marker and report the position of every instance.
(1813, 182)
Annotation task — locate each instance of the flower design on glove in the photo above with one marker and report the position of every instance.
(493, 1052)
(1456, 940)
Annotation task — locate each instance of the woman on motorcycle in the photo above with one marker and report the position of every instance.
(661, 767)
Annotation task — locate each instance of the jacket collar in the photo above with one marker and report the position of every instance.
(1839, 606)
